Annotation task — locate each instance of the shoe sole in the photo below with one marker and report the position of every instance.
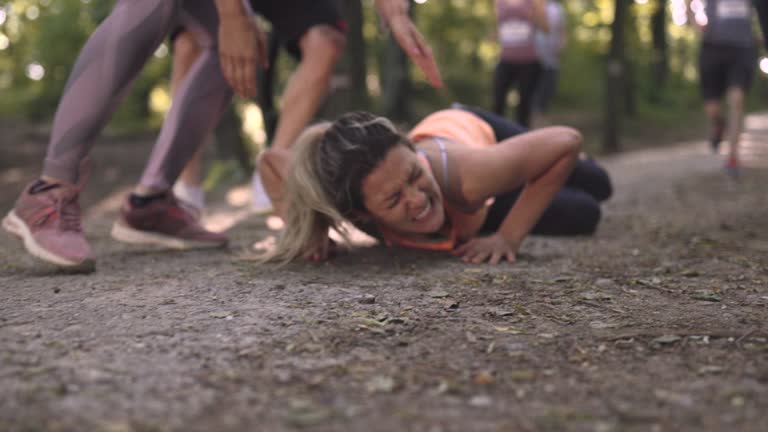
(126, 234)
(13, 224)
(262, 210)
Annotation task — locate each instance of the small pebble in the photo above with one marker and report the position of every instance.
(367, 299)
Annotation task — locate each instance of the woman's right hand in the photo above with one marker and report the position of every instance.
(242, 44)
(321, 252)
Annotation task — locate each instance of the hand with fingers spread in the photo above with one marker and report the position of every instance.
(493, 248)
(242, 44)
(395, 12)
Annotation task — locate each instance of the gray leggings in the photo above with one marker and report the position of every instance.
(107, 65)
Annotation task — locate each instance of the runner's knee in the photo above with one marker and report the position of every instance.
(322, 47)
(186, 47)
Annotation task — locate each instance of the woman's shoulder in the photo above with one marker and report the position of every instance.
(455, 124)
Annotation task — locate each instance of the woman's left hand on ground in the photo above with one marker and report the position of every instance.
(492, 248)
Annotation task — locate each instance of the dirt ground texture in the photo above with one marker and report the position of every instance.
(657, 323)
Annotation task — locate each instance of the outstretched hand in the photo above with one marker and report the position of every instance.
(413, 43)
(242, 44)
(492, 248)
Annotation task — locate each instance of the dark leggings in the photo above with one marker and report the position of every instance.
(574, 210)
(112, 58)
(526, 76)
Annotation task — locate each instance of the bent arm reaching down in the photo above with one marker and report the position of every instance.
(241, 45)
(395, 12)
(542, 160)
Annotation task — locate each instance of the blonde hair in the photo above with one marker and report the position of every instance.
(323, 187)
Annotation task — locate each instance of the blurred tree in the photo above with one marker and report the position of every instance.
(395, 80)
(614, 81)
(40, 39)
(43, 40)
(660, 53)
(349, 90)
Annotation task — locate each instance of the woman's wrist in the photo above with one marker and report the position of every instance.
(230, 9)
(510, 239)
(391, 9)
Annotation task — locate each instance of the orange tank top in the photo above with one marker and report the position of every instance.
(459, 126)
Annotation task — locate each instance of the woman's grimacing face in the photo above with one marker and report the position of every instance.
(402, 195)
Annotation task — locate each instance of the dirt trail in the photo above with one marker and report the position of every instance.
(657, 323)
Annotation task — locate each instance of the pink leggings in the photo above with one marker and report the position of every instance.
(107, 65)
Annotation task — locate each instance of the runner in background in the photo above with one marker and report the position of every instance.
(517, 24)
(549, 47)
(726, 66)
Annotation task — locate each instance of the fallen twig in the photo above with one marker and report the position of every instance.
(720, 334)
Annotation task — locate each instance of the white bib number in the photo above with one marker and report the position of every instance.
(515, 32)
(730, 9)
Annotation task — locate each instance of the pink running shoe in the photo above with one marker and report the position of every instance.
(163, 222)
(733, 168)
(48, 221)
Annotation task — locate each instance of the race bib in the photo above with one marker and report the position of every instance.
(730, 9)
(515, 32)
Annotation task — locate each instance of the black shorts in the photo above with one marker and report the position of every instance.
(291, 19)
(724, 66)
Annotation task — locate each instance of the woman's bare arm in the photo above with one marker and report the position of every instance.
(539, 12)
(541, 160)
(395, 12)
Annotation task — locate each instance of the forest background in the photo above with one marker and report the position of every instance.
(650, 96)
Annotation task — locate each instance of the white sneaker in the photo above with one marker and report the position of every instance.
(260, 202)
(191, 198)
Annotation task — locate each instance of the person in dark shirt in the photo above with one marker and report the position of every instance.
(727, 64)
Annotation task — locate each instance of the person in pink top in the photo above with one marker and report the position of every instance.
(463, 181)
(518, 22)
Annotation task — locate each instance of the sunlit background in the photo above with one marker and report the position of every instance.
(39, 40)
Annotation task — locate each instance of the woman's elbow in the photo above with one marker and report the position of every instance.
(569, 139)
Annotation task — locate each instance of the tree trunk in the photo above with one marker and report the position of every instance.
(395, 80)
(631, 41)
(349, 90)
(660, 58)
(630, 89)
(614, 82)
(266, 81)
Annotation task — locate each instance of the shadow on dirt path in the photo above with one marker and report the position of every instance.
(655, 323)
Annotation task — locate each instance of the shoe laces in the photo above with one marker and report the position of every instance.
(189, 209)
(65, 208)
(69, 209)
(182, 211)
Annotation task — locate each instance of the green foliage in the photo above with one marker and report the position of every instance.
(50, 33)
